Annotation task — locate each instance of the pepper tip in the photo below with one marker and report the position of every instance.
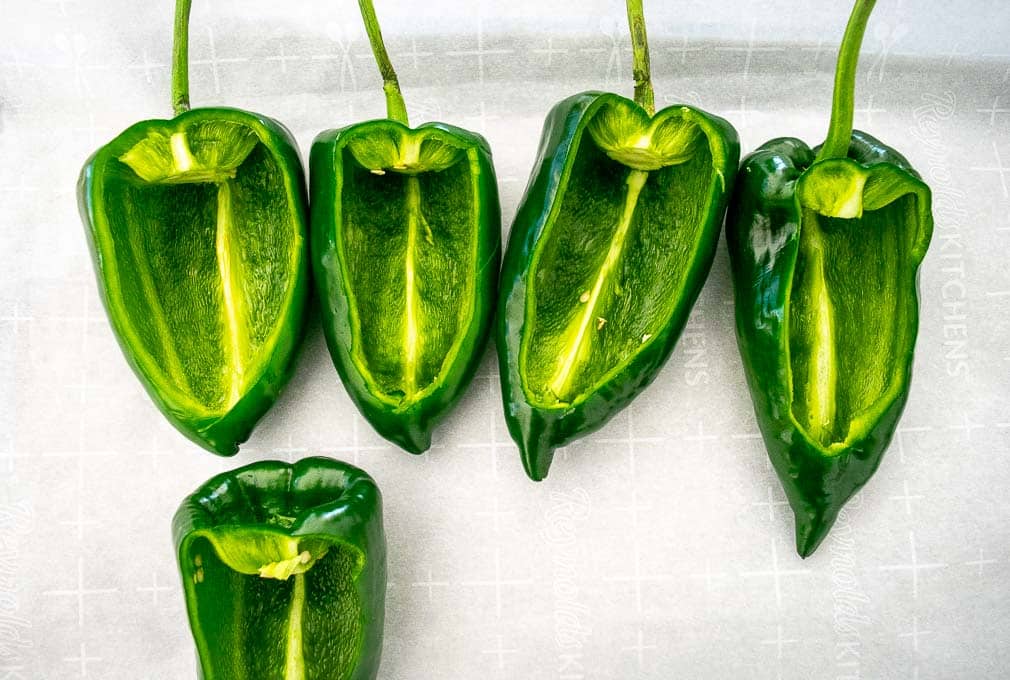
(412, 440)
(537, 463)
(811, 529)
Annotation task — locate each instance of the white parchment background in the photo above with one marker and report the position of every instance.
(660, 547)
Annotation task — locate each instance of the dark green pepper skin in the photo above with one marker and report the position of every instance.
(244, 624)
(404, 420)
(219, 433)
(762, 230)
(539, 431)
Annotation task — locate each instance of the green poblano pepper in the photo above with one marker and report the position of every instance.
(609, 250)
(825, 251)
(198, 229)
(284, 572)
(406, 240)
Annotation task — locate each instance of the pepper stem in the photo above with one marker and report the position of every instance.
(396, 109)
(644, 95)
(180, 57)
(843, 104)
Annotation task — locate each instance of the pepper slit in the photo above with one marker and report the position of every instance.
(559, 384)
(294, 666)
(411, 338)
(823, 378)
(230, 293)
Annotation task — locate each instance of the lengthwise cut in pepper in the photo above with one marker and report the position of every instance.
(825, 249)
(406, 239)
(284, 572)
(198, 226)
(608, 252)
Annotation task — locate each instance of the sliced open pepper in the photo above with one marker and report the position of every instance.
(198, 227)
(608, 252)
(284, 572)
(406, 240)
(825, 251)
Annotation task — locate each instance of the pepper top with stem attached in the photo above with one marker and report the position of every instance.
(844, 97)
(641, 68)
(180, 57)
(197, 227)
(406, 242)
(396, 108)
(825, 248)
(609, 250)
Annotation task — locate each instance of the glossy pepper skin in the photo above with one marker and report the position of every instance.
(609, 250)
(284, 572)
(197, 226)
(825, 258)
(406, 241)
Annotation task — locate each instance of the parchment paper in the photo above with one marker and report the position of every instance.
(660, 547)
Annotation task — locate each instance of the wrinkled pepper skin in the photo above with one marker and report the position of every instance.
(406, 242)
(198, 229)
(284, 572)
(858, 381)
(541, 424)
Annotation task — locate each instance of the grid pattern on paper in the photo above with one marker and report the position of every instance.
(662, 545)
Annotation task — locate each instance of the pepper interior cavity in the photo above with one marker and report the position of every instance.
(203, 234)
(614, 263)
(850, 317)
(409, 223)
(284, 571)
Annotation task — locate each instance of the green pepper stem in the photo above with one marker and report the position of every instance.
(644, 95)
(843, 104)
(180, 57)
(396, 109)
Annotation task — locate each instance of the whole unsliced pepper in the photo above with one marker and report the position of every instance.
(198, 226)
(284, 572)
(825, 247)
(406, 240)
(608, 252)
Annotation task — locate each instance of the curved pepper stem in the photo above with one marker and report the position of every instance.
(644, 95)
(843, 104)
(180, 57)
(396, 109)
